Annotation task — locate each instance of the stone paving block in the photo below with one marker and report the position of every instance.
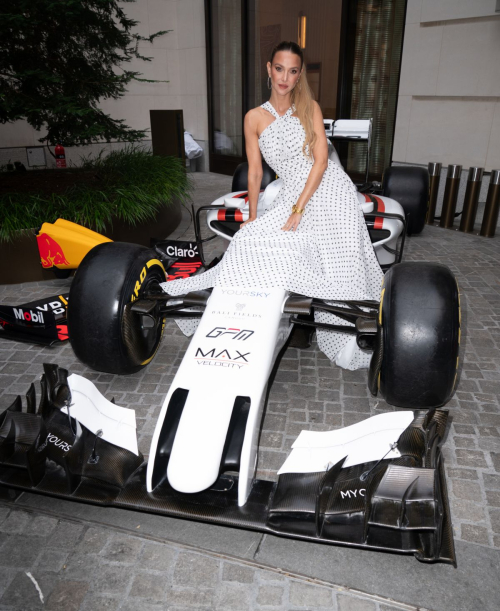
(495, 459)
(471, 458)
(467, 510)
(136, 604)
(468, 490)
(41, 526)
(309, 596)
(66, 535)
(6, 577)
(461, 473)
(81, 566)
(233, 597)
(22, 594)
(491, 482)
(237, 572)
(123, 549)
(195, 570)
(51, 560)
(100, 603)
(190, 598)
(111, 579)
(151, 587)
(15, 523)
(493, 498)
(350, 603)
(270, 595)
(475, 534)
(67, 595)
(495, 520)
(157, 557)
(21, 551)
(94, 540)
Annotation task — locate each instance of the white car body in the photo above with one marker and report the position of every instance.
(230, 355)
(390, 228)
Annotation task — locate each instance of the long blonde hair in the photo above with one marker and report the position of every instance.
(301, 96)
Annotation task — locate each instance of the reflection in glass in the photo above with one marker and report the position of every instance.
(227, 82)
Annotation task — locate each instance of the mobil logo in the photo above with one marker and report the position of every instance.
(28, 315)
(50, 251)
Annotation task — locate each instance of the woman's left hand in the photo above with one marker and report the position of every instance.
(292, 222)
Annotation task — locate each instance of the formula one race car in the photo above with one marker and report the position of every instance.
(204, 449)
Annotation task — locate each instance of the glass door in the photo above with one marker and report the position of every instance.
(225, 63)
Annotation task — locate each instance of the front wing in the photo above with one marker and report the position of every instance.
(399, 505)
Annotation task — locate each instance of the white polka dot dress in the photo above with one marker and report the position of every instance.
(329, 256)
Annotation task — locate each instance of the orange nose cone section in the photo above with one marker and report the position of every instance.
(51, 252)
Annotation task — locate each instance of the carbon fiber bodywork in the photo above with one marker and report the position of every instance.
(399, 505)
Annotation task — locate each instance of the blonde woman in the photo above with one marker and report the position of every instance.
(313, 239)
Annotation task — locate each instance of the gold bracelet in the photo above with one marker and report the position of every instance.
(296, 210)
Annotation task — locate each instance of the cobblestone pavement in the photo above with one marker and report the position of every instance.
(308, 393)
(87, 568)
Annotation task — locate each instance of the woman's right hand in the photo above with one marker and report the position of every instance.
(250, 219)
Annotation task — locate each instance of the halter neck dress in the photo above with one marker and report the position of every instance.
(329, 256)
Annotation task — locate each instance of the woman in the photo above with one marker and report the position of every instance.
(313, 239)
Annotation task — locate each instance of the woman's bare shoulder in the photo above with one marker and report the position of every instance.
(317, 108)
(254, 114)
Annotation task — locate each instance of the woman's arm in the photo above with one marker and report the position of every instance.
(254, 163)
(318, 169)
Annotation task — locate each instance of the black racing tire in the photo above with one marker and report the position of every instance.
(240, 176)
(409, 186)
(420, 327)
(104, 333)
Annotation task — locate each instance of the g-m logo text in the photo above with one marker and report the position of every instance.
(221, 358)
(241, 334)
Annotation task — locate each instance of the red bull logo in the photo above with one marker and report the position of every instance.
(50, 251)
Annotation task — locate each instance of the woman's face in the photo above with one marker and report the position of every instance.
(284, 71)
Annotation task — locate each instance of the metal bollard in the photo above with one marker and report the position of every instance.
(492, 207)
(469, 209)
(450, 195)
(434, 178)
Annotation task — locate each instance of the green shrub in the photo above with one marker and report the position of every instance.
(130, 184)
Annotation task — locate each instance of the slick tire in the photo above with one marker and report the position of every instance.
(104, 333)
(419, 317)
(409, 186)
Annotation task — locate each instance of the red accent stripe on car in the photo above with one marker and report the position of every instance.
(379, 221)
(221, 214)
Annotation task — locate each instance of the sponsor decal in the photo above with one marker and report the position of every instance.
(189, 250)
(59, 443)
(62, 332)
(50, 251)
(28, 315)
(183, 269)
(352, 493)
(240, 334)
(228, 314)
(142, 277)
(221, 358)
(57, 307)
(242, 293)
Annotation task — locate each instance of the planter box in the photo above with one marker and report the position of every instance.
(20, 261)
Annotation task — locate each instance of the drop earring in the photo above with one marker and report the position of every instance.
(269, 82)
